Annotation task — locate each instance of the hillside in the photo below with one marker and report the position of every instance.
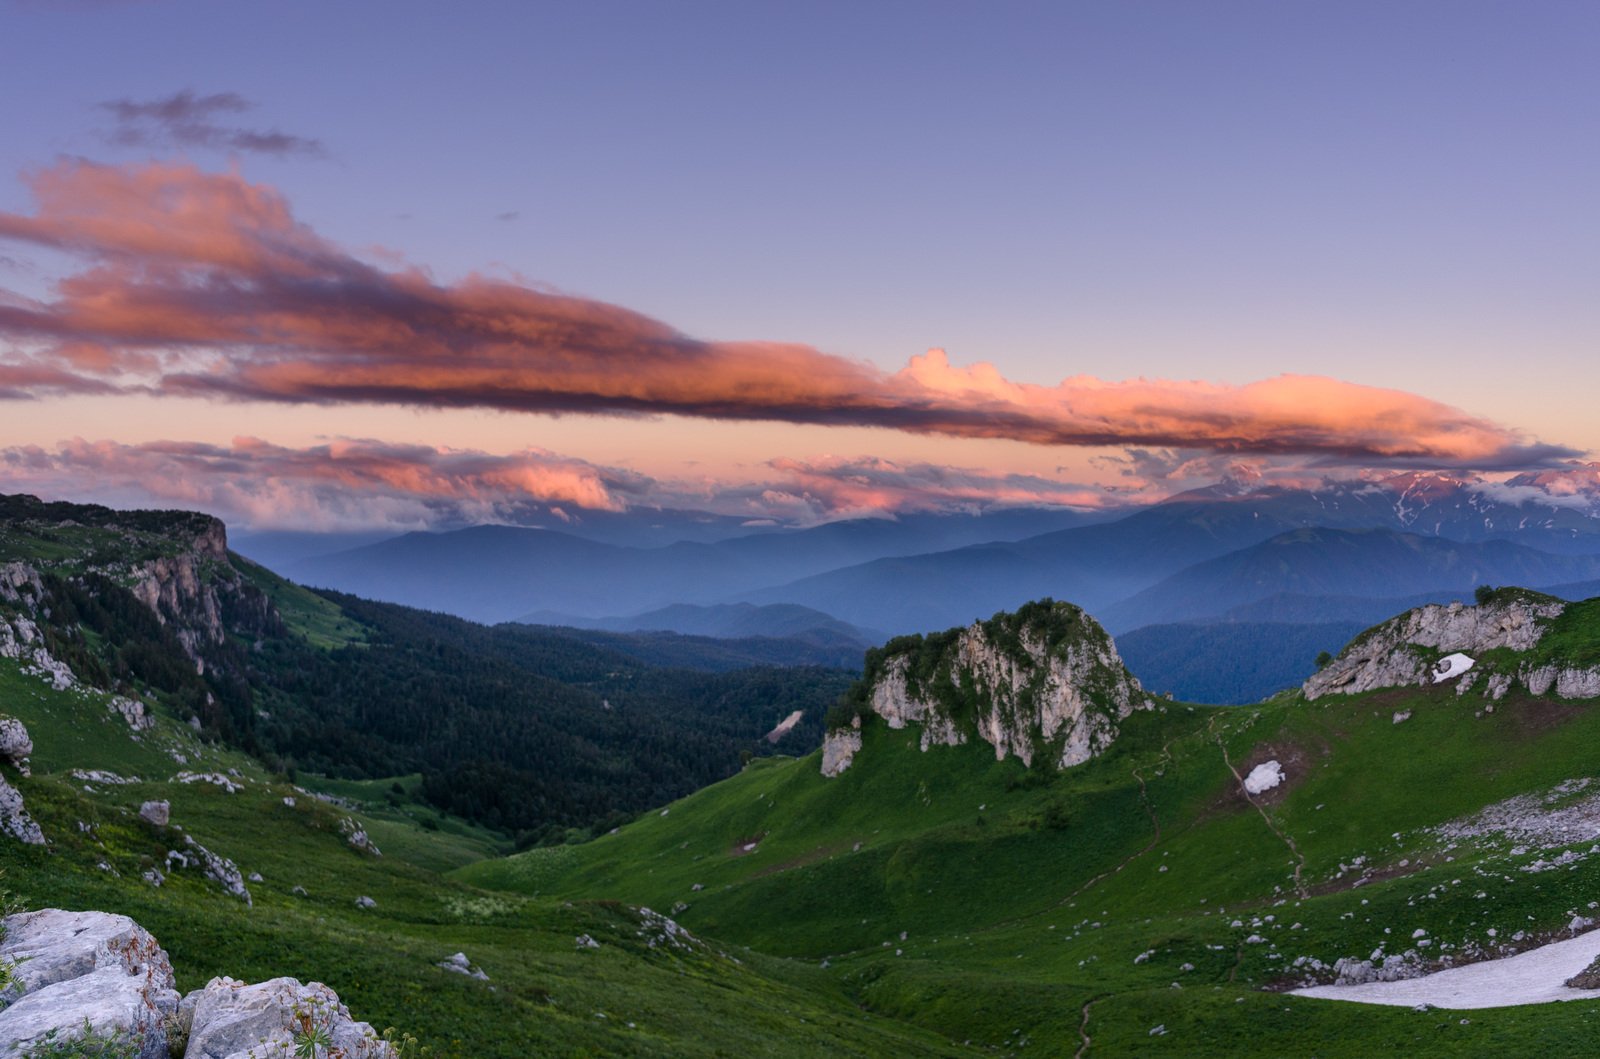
(1005, 845)
(341, 883)
(526, 731)
(1145, 901)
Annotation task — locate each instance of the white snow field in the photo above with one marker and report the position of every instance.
(1532, 977)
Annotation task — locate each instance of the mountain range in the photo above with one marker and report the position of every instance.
(1236, 551)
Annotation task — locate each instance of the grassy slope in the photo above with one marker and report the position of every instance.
(546, 995)
(1018, 914)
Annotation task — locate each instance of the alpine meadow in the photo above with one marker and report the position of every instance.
(878, 530)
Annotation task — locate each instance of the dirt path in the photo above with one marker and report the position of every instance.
(1083, 1029)
(1272, 825)
(1155, 825)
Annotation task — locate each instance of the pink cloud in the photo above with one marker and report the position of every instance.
(339, 485)
(206, 285)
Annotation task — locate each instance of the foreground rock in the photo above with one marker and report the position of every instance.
(106, 970)
(234, 1020)
(78, 967)
(1046, 681)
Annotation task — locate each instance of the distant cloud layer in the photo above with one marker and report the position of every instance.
(344, 484)
(205, 285)
(365, 484)
(185, 120)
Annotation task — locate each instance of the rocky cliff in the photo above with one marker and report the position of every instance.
(1514, 637)
(1044, 683)
(175, 563)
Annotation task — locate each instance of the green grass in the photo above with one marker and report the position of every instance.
(999, 924)
(320, 621)
(547, 995)
(922, 903)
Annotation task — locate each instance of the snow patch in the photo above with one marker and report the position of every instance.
(1532, 977)
(1451, 666)
(1263, 777)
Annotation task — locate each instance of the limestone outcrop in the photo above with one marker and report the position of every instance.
(73, 967)
(106, 970)
(15, 743)
(229, 1019)
(14, 819)
(1044, 683)
(1439, 643)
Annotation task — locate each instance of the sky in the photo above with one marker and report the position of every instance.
(381, 265)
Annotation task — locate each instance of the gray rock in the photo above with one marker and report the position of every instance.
(78, 966)
(839, 748)
(132, 711)
(14, 818)
(459, 964)
(229, 1019)
(1046, 682)
(158, 813)
(15, 744)
(365, 902)
(357, 837)
(218, 869)
(1387, 656)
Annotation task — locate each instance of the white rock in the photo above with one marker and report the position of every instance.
(15, 743)
(14, 818)
(77, 966)
(839, 748)
(233, 1020)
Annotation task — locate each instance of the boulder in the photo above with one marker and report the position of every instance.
(158, 813)
(229, 1019)
(459, 964)
(15, 744)
(85, 966)
(14, 818)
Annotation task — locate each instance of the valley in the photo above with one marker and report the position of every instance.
(1006, 846)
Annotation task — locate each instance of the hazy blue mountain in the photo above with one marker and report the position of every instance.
(1230, 662)
(502, 573)
(1095, 565)
(1326, 562)
(725, 621)
(1291, 609)
(714, 654)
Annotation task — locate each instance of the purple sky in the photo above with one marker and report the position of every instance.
(1398, 196)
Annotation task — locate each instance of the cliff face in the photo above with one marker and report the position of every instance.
(1497, 645)
(1043, 684)
(174, 563)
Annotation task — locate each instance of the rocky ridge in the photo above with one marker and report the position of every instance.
(174, 563)
(1436, 643)
(1043, 683)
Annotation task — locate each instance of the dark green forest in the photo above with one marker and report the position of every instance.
(528, 730)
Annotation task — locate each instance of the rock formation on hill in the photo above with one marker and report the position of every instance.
(1043, 683)
(1497, 642)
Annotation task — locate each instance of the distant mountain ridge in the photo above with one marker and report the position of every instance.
(732, 621)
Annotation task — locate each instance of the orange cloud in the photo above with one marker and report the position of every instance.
(340, 485)
(214, 279)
